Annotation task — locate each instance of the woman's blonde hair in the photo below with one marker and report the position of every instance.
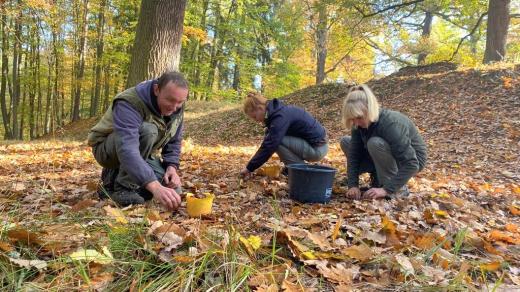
(360, 102)
(253, 101)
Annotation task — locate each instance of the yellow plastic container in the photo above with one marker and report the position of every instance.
(197, 207)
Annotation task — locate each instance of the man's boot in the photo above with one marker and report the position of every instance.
(108, 179)
(125, 197)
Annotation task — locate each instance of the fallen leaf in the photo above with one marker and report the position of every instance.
(24, 236)
(405, 264)
(359, 252)
(83, 205)
(38, 264)
(514, 210)
(490, 267)
(116, 213)
(5, 246)
(441, 213)
(375, 237)
(99, 282)
(92, 255)
(252, 243)
(336, 230)
(497, 235)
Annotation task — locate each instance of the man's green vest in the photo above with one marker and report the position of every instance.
(106, 125)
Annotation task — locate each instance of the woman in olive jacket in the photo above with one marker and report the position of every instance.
(384, 143)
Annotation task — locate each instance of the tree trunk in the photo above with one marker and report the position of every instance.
(17, 55)
(321, 42)
(32, 83)
(80, 67)
(38, 88)
(106, 90)
(157, 45)
(199, 52)
(94, 105)
(496, 34)
(426, 31)
(5, 71)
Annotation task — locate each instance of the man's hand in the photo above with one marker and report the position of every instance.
(354, 193)
(245, 173)
(165, 195)
(171, 179)
(375, 193)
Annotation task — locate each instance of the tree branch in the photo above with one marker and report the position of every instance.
(468, 35)
(395, 6)
(393, 58)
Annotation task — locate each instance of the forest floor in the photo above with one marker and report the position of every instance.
(459, 230)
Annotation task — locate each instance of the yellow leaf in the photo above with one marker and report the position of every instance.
(441, 213)
(388, 225)
(514, 210)
(337, 227)
(490, 267)
(441, 195)
(308, 255)
(116, 213)
(92, 255)
(252, 243)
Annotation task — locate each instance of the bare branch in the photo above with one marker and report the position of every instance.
(391, 7)
(468, 35)
(393, 58)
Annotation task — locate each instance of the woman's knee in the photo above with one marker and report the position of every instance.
(344, 143)
(377, 145)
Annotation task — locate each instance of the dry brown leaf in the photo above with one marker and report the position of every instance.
(359, 252)
(374, 236)
(405, 264)
(24, 236)
(5, 246)
(292, 287)
(83, 205)
(338, 273)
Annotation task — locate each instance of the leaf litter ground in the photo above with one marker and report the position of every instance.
(459, 230)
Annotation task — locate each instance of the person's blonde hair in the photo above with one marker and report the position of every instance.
(253, 101)
(360, 102)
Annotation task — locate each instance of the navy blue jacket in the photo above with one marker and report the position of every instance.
(127, 122)
(286, 120)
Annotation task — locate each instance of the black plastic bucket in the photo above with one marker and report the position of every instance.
(310, 183)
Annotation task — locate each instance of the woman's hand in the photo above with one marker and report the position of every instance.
(245, 173)
(354, 193)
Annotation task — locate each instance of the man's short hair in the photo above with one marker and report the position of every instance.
(172, 76)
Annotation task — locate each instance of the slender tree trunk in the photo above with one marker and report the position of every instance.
(94, 105)
(217, 35)
(199, 52)
(426, 31)
(80, 68)
(17, 55)
(321, 42)
(38, 88)
(5, 71)
(496, 34)
(33, 81)
(106, 90)
(157, 46)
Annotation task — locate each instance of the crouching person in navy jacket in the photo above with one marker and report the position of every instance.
(291, 132)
